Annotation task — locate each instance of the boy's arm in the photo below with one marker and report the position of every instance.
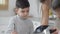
(31, 29)
(10, 28)
(14, 32)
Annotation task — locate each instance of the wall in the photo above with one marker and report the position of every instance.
(34, 9)
(9, 12)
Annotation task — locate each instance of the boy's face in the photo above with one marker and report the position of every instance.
(23, 12)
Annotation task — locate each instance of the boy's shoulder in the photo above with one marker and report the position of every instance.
(13, 17)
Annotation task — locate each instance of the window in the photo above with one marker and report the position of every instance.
(3, 4)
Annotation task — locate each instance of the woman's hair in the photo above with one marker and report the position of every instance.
(42, 1)
(22, 4)
(55, 4)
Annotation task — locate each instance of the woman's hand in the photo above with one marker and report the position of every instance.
(56, 32)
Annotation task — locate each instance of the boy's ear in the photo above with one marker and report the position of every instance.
(15, 10)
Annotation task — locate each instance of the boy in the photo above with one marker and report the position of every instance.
(20, 24)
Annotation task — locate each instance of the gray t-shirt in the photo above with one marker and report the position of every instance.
(22, 26)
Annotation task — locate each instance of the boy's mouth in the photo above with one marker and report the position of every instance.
(27, 17)
(24, 17)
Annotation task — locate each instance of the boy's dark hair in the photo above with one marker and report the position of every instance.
(55, 4)
(42, 1)
(22, 4)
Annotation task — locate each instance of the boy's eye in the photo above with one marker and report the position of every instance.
(27, 10)
(24, 11)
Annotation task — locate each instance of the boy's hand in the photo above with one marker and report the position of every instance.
(14, 32)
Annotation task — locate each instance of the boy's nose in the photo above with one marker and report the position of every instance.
(26, 13)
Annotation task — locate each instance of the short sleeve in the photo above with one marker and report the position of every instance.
(10, 26)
